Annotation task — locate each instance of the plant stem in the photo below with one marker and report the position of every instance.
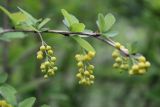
(68, 33)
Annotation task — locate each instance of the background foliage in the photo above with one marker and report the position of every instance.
(137, 21)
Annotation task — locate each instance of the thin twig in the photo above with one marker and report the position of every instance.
(68, 33)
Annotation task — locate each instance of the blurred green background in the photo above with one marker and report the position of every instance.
(137, 21)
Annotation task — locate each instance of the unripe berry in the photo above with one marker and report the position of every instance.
(81, 70)
(80, 64)
(92, 82)
(117, 45)
(48, 47)
(39, 56)
(118, 60)
(42, 66)
(50, 72)
(39, 52)
(87, 57)
(77, 56)
(141, 71)
(142, 59)
(83, 80)
(135, 67)
(50, 52)
(141, 65)
(91, 67)
(79, 75)
(92, 77)
(115, 54)
(47, 63)
(147, 64)
(115, 65)
(46, 76)
(51, 63)
(91, 71)
(122, 66)
(86, 73)
(55, 68)
(42, 48)
(131, 72)
(91, 54)
(53, 59)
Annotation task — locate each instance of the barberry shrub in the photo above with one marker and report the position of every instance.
(125, 60)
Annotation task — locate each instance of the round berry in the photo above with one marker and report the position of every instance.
(39, 56)
(142, 59)
(53, 59)
(48, 47)
(42, 48)
(117, 45)
(50, 52)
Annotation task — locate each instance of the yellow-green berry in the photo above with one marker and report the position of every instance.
(117, 45)
(80, 64)
(142, 59)
(53, 59)
(135, 67)
(91, 54)
(147, 64)
(86, 73)
(39, 56)
(79, 75)
(42, 66)
(92, 77)
(118, 60)
(50, 52)
(42, 48)
(48, 47)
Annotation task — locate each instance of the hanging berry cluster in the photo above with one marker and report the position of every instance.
(140, 66)
(134, 65)
(3, 103)
(48, 67)
(85, 72)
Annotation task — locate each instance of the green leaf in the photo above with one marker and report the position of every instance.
(5, 11)
(101, 23)
(3, 77)
(83, 43)
(132, 47)
(69, 19)
(12, 35)
(8, 92)
(29, 102)
(44, 22)
(45, 105)
(109, 21)
(77, 27)
(30, 17)
(18, 18)
(110, 34)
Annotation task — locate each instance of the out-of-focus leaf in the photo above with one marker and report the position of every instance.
(109, 21)
(83, 43)
(68, 18)
(77, 27)
(29, 102)
(3, 77)
(45, 105)
(110, 34)
(101, 23)
(44, 22)
(12, 35)
(8, 92)
(5, 11)
(31, 19)
(133, 47)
